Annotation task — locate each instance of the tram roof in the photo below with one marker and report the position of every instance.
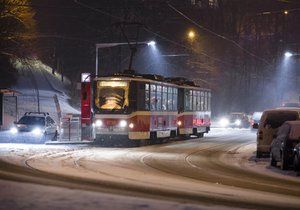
(174, 81)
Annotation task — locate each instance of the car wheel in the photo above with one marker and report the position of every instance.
(273, 161)
(296, 163)
(284, 161)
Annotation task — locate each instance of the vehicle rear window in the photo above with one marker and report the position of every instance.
(276, 119)
(32, 120)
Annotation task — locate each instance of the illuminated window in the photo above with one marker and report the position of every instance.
(112, 95)
(164, 97)
(170, 101)
(175, 96)
(147, 97)
(202, 101)
(194, 100)
(158, 97)
(153, 97)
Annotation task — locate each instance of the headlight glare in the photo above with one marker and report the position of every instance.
(123, 123)
(37, 131)
(224, 122)
(238, 122)
(99, 123)
(14, 130)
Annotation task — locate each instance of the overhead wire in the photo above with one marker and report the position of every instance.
(151, 31)
(216, 34)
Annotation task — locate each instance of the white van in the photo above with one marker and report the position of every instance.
(269, 123)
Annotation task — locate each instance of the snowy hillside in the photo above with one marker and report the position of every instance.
(35, 80)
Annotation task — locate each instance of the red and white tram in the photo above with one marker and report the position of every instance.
(131, 108)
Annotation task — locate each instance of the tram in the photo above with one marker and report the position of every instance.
(145, 108)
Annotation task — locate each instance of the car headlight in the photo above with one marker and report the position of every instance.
(14, 130)
(98, 123)
(224, 122)
(123, 123)
(37, 131)
(238, 122)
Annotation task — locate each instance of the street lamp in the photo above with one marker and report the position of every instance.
(151, 43)
(107, 45)
(191, 35)
(288, 54)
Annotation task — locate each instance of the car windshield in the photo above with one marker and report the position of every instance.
(111, 95)
(32, 120)
(276, 119)
(256, 115)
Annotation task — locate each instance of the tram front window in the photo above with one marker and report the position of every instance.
(111, 95)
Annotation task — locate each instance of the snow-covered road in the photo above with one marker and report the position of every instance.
(216, 171)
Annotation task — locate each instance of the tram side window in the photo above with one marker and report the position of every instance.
(158, 97)
(147, 97)
(164, 97)
(198, 101)
(205, 101)
(191, 100)
(175, 96)
(170, 101)
(153, 97)
(186, 100)
(209, 102)
(194, 100)
(202, 101)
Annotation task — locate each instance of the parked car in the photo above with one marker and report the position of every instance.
(282, 147)
(37, 125)
(269, 123)
(296, 162)
(254, 121)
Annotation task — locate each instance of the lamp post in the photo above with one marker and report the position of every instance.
(108, 45)
(288, 54)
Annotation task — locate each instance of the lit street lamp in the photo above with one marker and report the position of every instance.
(288, 54)
(107, 45)
(191, 35)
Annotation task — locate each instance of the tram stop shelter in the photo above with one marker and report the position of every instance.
(3, 93)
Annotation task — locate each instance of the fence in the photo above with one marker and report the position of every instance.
(70, 129)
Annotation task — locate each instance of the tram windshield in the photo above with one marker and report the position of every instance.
(111, 95)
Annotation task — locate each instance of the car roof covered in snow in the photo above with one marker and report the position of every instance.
(281, 110)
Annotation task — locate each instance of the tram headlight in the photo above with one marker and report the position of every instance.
(131, 125)
(238, 122)
(179, 123)
(98, 123)
(123, 123)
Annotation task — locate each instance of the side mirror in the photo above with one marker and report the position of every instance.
(255, 125)
(15, 122)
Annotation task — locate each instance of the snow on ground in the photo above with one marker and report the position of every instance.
(15, 195)
(245, 157)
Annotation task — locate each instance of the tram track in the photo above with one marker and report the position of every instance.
(142, 171)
